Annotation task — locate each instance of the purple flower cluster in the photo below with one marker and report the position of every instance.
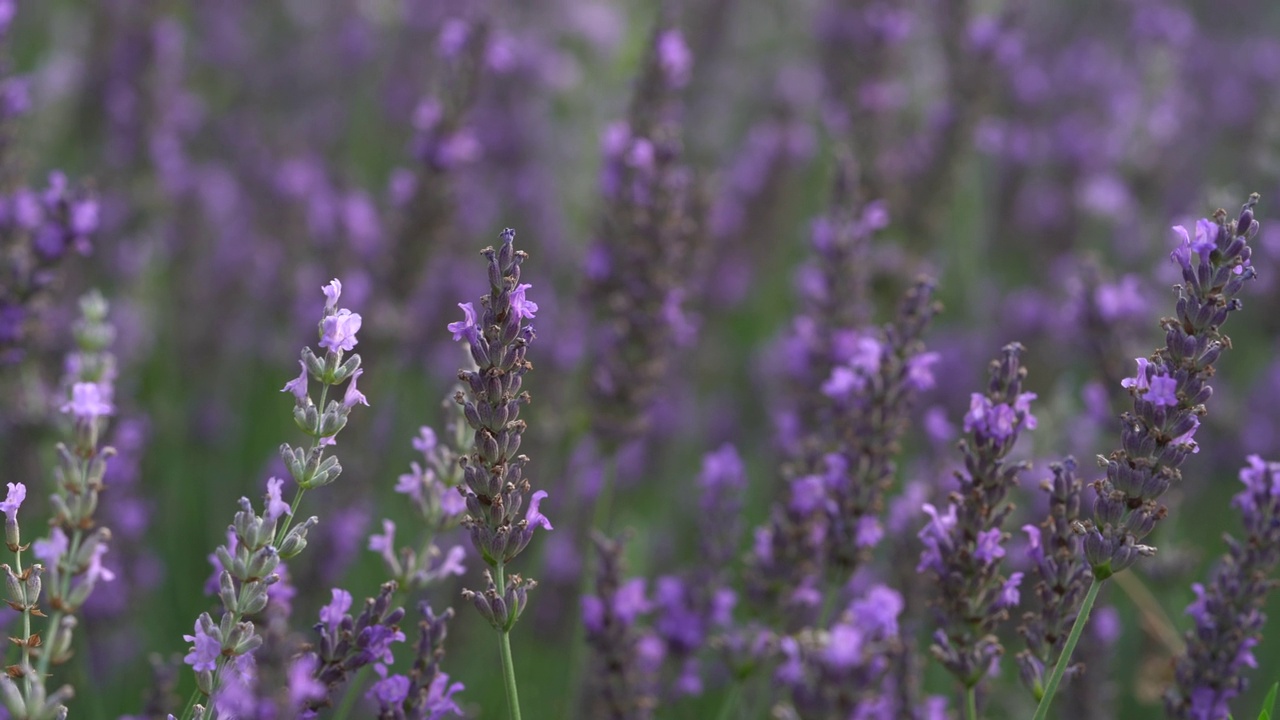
(37, 228)
(625, 661)
(434, 492)
(1060, 574)
(963, 543)
(493, 474)
(1227, 611)
(348, 643)
(1169, 391)
(646, 251)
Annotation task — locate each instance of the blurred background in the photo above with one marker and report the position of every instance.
(237, 155)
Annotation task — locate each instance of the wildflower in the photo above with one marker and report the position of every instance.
(467, 326)
(88, 402)
(338, 331)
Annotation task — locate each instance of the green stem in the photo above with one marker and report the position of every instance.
(26, 621)
(297, 495)
(1042, 711)
(508, 665)
(971, 702)
(732, 699)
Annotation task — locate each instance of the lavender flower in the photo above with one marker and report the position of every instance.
(841, 671)
(349, 643)
(1061, 575)
(495, 488)
(622, 686)
(1169, 392)
(247, 563)
(963, 544)
(1228, 610)
(646, 249)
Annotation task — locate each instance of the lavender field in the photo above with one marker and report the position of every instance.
(673, 359)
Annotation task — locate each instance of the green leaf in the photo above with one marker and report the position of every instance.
(1269, 705)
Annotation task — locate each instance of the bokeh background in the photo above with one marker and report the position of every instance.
(1031, 156)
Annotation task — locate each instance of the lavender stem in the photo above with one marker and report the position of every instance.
(1042, 710)
(971, 702)
(508, 666)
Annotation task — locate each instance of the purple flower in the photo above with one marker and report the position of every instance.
(354, 396)
(13, 501)
(88, 401)
(440, 698)
(385, 543)
(520, 305)
(390, 690)
(920, 370)
(844, 648)
(869, 531)
(1163, 391)
(338, 331)
(95, 570)
(332, 613)
(298, 385)
(426, 440)
(377, 641)
(877, 612)
(989, 549)
(533, 516)
(1009, 595)
(332, 292)
(467, 326)
(675, 58)
(936, 535)
(52, 549)
(204, 656)
(276, 506)
(1139, 381)
(303, 685)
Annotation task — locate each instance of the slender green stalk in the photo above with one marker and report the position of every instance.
(26, 620)
(1042, 711)
(508, 665)
(297, 495)
(971, 702)
(732, 699)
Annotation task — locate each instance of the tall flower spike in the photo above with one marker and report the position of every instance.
(647, 247)
(1060, 574)
(964, 543)
(1228, 610)
(1169, 391)
(493, 474)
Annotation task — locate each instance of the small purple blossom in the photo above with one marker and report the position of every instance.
(1162, 391)
(204, 656)
(989, 549)
(533, 516)
(95, 570)
(89, 401)
(338, 331)
(520, 305)
(303, 685)
(276, 506)
(353, 396)
(332, 292)
(13, 501)
(385, 543)
(332, 613)
(298, 385)
(52, 549)
(467, 326)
